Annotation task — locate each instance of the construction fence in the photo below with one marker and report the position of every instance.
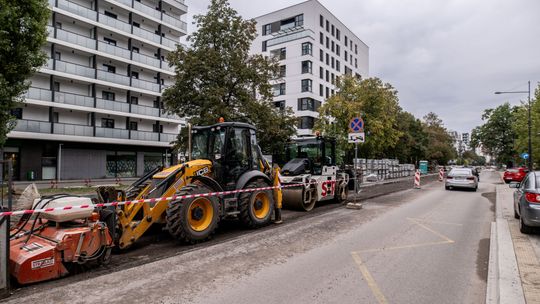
(373, 170)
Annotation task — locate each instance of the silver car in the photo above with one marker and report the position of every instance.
(461, 178)
(527, 202)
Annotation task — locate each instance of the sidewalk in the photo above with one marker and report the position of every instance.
(514, 274)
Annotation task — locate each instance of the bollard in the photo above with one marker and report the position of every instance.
(441, 174)
(417, 180)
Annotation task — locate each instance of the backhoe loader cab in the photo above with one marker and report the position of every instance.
(223, 157)
(312, 163)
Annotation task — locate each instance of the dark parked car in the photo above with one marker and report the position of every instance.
(527, 202)
(515, 175)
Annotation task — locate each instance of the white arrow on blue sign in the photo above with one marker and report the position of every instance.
(525, 155)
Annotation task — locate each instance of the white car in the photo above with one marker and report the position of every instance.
(461, 178)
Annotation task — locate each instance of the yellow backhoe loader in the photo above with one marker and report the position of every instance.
(222, 157)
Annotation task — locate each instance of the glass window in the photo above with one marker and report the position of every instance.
(346, 41)
(346, 56)
(152, 161)
(333, 30)
(267, 29)
(299, 20)
(327, 42)
(321, 20)
(307, 48)
(107, 123)
(264, 44)
(338, 66)
(307, 67)
(327, 26)
(321, 90)
(306, 122)
(281, 53)
(338, 34)
(321, 38)
(283, 71)
(279, 89)
(322, 55)
(134, 100)
(133, 125)
(321, 73)
(109, 14)
(121, 164)
(306, 104)
(333, 46)
(107, 95)
(280, 104)
(307, 85)
(110, 41)
(17, 113)
(338, 50)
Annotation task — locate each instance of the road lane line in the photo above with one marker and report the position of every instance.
(405, 246)
(431, 230)
(436, 222)
(369, 279)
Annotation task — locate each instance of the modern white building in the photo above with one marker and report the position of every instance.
(314, 48)
(94, 110)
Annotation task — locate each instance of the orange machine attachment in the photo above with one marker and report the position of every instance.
(44, 250)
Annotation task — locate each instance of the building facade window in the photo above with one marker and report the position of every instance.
(308, 104)
(17, 113)
(134, 100)
(338, 66)
(267, 29)
(280, 54)
(338, 50)
(321, 20)
(107, 123)
(307, 67)
(307, 48)
(321, 53)
(327, 92)
(264, 46)
(338, 35)
(327, 26)
(280, 104)
(327, 42)
(279, 89)
(321, 72)
(321, 38)
(282, 71)
(346, 41)
(307, 85)
(306, 122)
(133, 126)
(333, 63)
(333, 46)
(346, 56)
(107, 95)
(356, 62)
(333, 30)
(321, 90)
(299, 20)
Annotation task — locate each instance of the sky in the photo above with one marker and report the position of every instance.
(442, 56)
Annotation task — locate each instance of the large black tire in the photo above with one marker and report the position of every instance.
(342, 193)
(516, 215)
(256, 207)
(524, 228)
(193, 220)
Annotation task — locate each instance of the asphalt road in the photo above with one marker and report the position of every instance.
(415, 246)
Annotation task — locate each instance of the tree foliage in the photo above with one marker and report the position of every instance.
(22, 34)
(439, 148)
(496, 136)
(520, 128)
(217, 77)
(376, 102)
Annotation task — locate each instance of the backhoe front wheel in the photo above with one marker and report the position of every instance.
(256, 207)
(193, 220)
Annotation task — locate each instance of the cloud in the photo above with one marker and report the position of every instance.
(442, 56)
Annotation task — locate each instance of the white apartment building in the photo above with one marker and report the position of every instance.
(94, 110)
(314, 48)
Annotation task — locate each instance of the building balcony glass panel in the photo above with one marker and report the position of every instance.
(113, 50)
(290, 35)
(117, 24)
(113, 77)
(169, 42)
(112, 133)
(74, 130)
(34, 126)
(49, 64)
(165, 66)
(76, 39)
(38, 94)
(143, 135)
(146, 59)
(137, 31)
(150, 111)
(174, 22)
(126, 2)
(178, 4)
(74, 99)
(112, 105)
(166, 137)
(77, 9)
(50, 31)
(145, 85)
(76, 69)
(169, 115)
(147, 10)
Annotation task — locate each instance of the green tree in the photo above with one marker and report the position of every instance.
(217, 77)
(378, 105)
(440, 148)
(22, 34)
(520, 128)
(413, 142)
(496, 136)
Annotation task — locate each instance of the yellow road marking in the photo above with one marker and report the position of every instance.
(369, 279)
(406, 246)
(431, 230)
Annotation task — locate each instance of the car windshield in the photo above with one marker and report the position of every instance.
(461, 172)
(208, 143)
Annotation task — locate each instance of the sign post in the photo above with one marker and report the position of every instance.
(356, 135)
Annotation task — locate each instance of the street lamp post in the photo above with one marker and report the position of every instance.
(528, 120)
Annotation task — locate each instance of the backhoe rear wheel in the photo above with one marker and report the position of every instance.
(193, 220)
(256, 207)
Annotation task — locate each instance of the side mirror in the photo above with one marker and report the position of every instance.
(514, 185)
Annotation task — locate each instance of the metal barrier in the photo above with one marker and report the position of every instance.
(6, 198)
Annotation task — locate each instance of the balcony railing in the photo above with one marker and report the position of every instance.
(166, 137)
(77, 9)
(38, 94)
(178, 4)
(76, 39)
(113, 50)
(147, 10)
(75, 69)
(115, 23)
(112, 105)
(74, 99)
(74, 130)
(144, 59)
(169, 42)
(113, 77)
(112, 133)
(174, 22)
(50, 31)
(143, 110)
(34, 126)
(290, 35)
(143, 135)
(146, 34)
(168, 115)
(145, 85)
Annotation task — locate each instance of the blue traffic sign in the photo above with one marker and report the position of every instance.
(356, 125)
(525, 155)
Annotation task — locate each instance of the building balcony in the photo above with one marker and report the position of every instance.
(113, 50)
(77, 9)
(179, 4)
(146, 34)
(73, 130)
(144, 135)
(74, 99)
(145, 85)
(152, 12)
(144, 110)
(73, 68)
(38, 94)
(34, 126)
(144, 59)
(115, 23)
(166, 137)
(112, 77)
(290, 34)
(169, 42)
(112, 133)
(174, 22)
(112, 105)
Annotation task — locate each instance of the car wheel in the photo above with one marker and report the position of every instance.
(446, 187)
(524, 228)
(516, 215)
